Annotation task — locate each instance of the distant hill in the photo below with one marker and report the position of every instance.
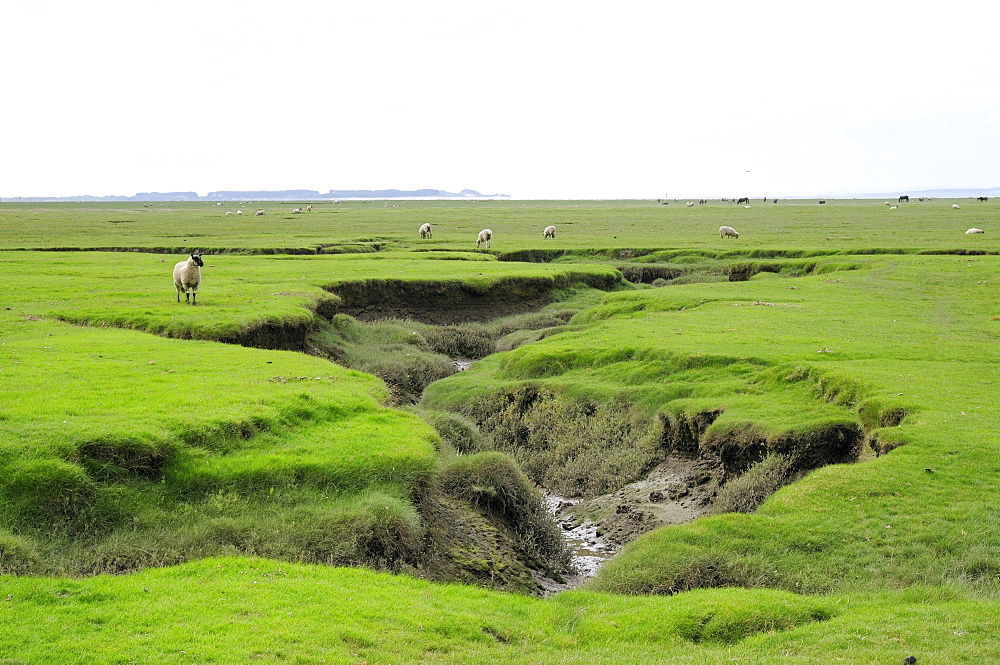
(272, 195)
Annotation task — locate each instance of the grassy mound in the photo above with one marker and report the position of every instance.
(122, 450)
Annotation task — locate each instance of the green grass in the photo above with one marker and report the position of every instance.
(234, 610)
(121, 450)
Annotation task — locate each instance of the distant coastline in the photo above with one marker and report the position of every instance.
(265, 195)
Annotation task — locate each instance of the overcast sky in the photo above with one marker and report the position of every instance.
(532, 99)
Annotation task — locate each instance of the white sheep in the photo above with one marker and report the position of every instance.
(297, 210)
(259, 213)
(893, 207)
(954, 206)
(425, 230)
(239, 212)
(309, 208)
(728, 232)
(689, 204)
(187, 277)
(229, 213)
(974, 230)
(549, 232)
(484, 238)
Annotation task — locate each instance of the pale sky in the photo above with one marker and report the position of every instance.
(533, 99)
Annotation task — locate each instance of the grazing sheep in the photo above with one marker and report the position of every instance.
(259, 213)
(239, 212)
(297, 210)
(425, 230)
(728, 232)
(954, 206)
(893, 207)
(309, 208)
(484, 238)
(974, 230)
(187, 277)
(229, 213)
(689, 204)
(549, 232)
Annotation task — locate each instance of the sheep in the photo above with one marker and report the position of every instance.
(728, 232)
(425, 230)
(974, 230)
(954, 206)
(689, 204)
(893, 207)
(239, 212)
(259, 213)
(229, 213)
(297, 210)
(549, 232)
(309, 208)
(484, 238)
(187, 277)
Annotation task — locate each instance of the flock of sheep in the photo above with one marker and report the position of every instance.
(187, 273)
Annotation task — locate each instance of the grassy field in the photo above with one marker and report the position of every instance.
(792, 225)
(123, 451)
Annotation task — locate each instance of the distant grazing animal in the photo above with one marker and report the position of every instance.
(973, 231)
(746, 206)
(702, 202)
(822, 201)
(954, 206)
(689, 204)
(893, 207)
(728, 232)
(309, 208)
(297, 210)
(982, 198)
(745, 199)
(549, 232)
(902, 198)
(228, 213)
(259, 213)
(425, 230)
(239, 212)
(887, 203)
(187, 277)
(484, 238)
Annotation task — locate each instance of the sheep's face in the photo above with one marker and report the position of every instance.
(197, 259)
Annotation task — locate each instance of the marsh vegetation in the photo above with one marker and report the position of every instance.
(815, 395)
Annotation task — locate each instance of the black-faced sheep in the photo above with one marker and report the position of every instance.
(728, 232)
(484, 238)
(954, 206)
(425, 230)
(973, 231)
(549, 232)
(187, 277)
(259, 213)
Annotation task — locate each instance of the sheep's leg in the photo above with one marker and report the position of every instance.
(194, 298)
(187, 297)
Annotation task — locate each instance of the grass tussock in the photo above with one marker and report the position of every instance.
(574, 448)
(493, 483)
(744, 493)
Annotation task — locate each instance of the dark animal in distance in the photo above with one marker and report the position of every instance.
(982, 198)
(745, 199)
(902, 198)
